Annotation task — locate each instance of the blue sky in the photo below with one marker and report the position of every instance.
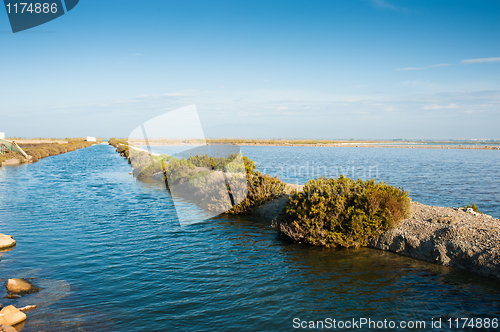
(335, 69)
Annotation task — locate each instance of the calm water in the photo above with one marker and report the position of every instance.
(110, 255)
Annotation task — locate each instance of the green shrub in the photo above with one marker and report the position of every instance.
(201, 184)
(261, 189)
(342, 212)
(38, 151)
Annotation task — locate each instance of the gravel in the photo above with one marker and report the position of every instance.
(447, 236)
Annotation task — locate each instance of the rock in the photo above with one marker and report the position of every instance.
(10, 315)
(20, 286)
(413, 241)
(7, 328)
(6, 241)
(28, 308)
(11, 162)
(271, 209)
(471, 211)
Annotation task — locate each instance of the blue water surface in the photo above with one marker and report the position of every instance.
(109, 254)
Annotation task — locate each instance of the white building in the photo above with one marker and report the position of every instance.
(2, 135)
(91, 139)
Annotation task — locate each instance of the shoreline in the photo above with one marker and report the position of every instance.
(451, 146)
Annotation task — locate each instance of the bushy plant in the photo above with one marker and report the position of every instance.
(342, 212)
(38, 151)
(261, 189)
(247, 186)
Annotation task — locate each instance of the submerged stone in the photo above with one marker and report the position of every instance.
(10, 316)
(20, 286)
(7, 328)
(6, 241)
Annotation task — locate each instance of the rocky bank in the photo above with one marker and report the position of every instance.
(447, 236)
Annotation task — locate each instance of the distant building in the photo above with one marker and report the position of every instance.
(91, 139)
(2, 147)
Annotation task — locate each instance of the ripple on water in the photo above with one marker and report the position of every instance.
(110, 255)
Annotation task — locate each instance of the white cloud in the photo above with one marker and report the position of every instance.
(482, 60)
(464, 62)
(440, 107)
(419, 68)
(263, 105)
